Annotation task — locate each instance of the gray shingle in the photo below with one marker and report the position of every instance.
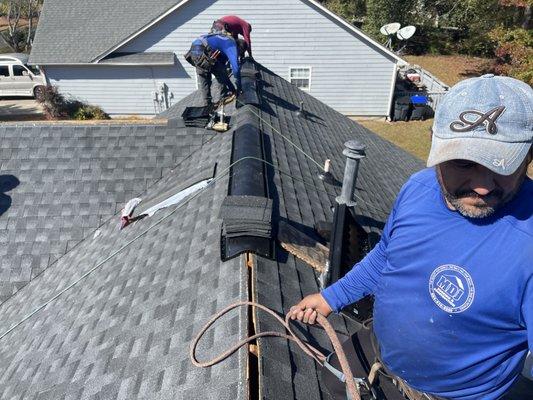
(93, 27)
(151, 58)
(124, 331)
(284, 371)
(77, 186)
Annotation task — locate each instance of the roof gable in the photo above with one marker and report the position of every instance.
(78, 31)
(98, 28)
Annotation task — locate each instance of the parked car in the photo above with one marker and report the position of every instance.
(17, 78)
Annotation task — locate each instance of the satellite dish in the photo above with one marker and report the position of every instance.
(406, 32)
(390, 29)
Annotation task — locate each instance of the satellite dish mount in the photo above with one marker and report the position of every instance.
(389, 30)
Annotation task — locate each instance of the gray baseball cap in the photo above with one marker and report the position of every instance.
(487, 120)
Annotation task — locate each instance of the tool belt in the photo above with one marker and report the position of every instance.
(378, 383)
(202, 56)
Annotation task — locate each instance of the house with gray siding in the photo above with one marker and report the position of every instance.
(127, 56)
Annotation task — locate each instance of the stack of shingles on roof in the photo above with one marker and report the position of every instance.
(246, 216)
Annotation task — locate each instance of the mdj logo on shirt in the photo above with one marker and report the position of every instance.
(451, 288)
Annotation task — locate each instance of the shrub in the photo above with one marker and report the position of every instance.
(514, 52)
(56, 106)
(86, 112)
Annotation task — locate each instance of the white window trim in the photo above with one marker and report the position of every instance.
(310, 75)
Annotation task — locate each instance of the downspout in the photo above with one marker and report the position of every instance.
(392, 89)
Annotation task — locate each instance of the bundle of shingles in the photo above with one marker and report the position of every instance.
(246, 216)
(197, 116)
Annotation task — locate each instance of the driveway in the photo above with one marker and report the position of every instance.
(20, 109)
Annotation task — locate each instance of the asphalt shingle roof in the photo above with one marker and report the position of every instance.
(152, 58)
(72, 179)
(124, 331)
(78, 31)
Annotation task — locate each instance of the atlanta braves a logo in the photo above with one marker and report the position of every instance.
(489, 119)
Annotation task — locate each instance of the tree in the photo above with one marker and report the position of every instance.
(351, 10)
(381, 12)
(523, 8)
(21, 16)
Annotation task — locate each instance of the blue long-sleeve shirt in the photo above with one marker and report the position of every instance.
(227, 46)
(453, 295)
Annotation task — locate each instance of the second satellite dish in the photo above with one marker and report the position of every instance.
(406, 32)
(390, 29)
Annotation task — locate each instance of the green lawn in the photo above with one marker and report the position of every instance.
(412, 136)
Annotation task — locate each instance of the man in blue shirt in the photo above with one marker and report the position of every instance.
(453, 273)
(210, 54)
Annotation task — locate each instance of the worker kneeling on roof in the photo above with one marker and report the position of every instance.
(236, 26)
(453, 273)
(209, 54)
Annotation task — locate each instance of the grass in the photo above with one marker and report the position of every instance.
(412, 136)
(452, 69)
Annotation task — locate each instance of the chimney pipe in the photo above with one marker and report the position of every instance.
(354, 152)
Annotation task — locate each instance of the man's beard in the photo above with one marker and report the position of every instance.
(481, 209)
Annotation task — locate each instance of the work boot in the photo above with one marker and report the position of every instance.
(228, 98)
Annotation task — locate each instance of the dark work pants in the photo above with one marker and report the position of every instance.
(360, 353)
(361, 349)
(220, 72)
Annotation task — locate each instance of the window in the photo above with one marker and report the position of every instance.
(301, 77)
(19, 70)
(34, 70)
(4, 70)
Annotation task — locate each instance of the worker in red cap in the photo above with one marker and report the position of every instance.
(235, 26)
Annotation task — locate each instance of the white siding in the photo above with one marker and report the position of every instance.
(348, 74)
(120, 90)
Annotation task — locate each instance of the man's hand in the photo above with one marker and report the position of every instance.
(307, 309)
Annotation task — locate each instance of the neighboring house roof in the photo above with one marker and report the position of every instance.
(98, 28)
(152, 58)
(21, 57)
(124, 331)
(78, 31)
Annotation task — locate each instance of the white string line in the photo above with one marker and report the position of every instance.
(284, 137)
(224, 172)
